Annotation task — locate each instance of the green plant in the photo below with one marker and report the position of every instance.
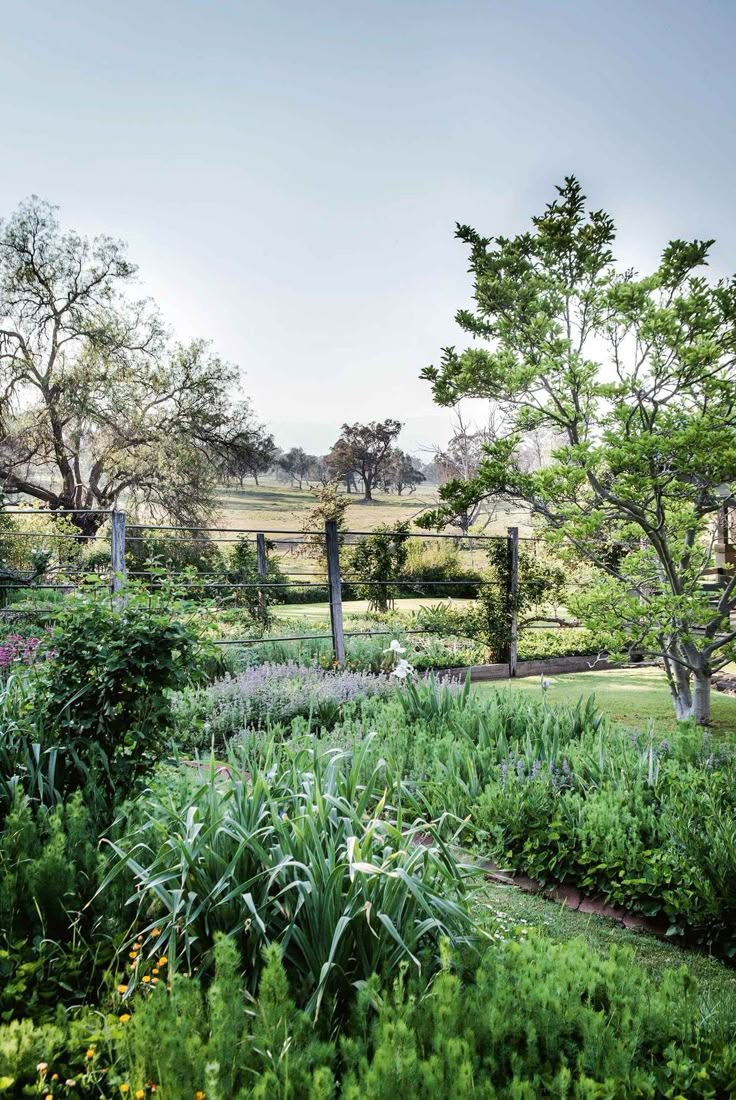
(378, 562)
(50, 948)
(241, 568)
(303, 851)
(107, 691)
(540, 581)
(434, 569)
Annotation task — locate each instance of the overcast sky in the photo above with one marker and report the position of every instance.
(288, 173)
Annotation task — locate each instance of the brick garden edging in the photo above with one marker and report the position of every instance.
(568, 896)
(574, 899)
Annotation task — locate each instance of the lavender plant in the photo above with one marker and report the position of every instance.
(269, 694)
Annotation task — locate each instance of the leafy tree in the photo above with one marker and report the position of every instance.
(363, 451)
(298, 465)
(377, 560)
(256, 451)
(241, 568)
(97, 401)
(401, 472)
(636, 375)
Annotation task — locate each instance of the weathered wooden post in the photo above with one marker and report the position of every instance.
(332, 544)
(117, 559)
(513, 589)
(262, 573)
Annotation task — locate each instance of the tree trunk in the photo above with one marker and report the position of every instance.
(690, 692)
(701, 699)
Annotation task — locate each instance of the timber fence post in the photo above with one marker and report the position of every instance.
(262, 573)
(117, 558)
(332, 543)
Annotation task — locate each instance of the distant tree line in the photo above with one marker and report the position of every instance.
(364, 459)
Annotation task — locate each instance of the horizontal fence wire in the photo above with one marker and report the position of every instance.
(278, 541)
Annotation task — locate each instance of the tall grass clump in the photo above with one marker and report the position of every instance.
(309, 855)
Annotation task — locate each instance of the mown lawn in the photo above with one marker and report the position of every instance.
(633, 697)
(316, 611)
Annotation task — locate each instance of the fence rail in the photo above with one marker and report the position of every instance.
(121, 537)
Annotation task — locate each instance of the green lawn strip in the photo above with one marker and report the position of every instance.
(633, 697)
(355, 607)
(514, 908)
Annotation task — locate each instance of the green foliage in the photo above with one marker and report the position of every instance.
(632, 378)
(540, 581)
(107, 691)
(377, 560)
(559, 794)
(430, 562)
(48, 870)
(542, 1019)
(223, 1043)
(171, 551)
(241, 568)
(536, 1019)
(302, 850)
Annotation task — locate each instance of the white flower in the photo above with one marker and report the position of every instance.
(402, 670)
(395, 647)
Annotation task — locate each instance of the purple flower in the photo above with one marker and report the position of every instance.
(278, 693)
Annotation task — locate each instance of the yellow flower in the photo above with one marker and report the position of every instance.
(124, 1018)
(122, 989)
(140, 1094)
(162, 961)
(48, 1096)
(146, 977)
(155, 931)
(155, 970)
(125, 1087)
(199, 1095)
(54, 1076)
(90, 1053)
(132, 954)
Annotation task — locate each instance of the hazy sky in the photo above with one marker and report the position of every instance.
(288, 173)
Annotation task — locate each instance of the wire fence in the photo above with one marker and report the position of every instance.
(117, 553)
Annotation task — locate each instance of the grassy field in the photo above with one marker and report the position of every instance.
(633, 697)
(273, 506)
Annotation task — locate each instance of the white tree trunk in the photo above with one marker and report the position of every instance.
(690, 693)
(701, 699)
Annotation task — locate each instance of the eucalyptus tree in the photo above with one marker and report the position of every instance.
(363, 451)
(97, 403)
(635, 379)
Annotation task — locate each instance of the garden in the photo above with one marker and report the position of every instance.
(222, 880)
(259, 834)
